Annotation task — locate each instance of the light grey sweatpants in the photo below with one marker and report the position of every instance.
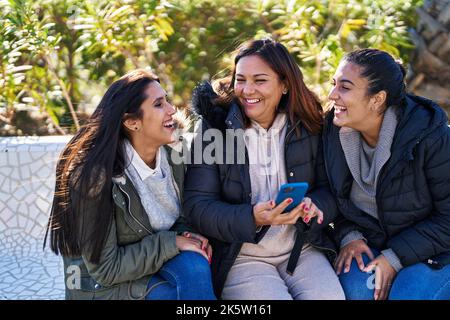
(254, 278)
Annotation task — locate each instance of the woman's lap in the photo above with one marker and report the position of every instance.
(418, 281)
(186, 276)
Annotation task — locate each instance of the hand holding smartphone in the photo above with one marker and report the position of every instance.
(296, 191)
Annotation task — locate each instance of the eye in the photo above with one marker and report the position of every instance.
(260, 80)
(239, 80)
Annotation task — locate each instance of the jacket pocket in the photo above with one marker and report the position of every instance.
(89, 289)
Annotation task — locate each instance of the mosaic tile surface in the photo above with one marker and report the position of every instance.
(27, 177)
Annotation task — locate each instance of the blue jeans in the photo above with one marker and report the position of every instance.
(416, 282)
(187, 276)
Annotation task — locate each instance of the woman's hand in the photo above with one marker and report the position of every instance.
(353, 249)
(310, 210)
(190, 241)
(384, 276)
(266, 213)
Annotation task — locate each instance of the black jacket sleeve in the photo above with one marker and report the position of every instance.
(341, 228)
(430, 236)
(205, 208)
(321, 194)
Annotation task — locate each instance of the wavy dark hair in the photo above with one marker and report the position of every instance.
(86, 167)
(383, 73)
(300, 103)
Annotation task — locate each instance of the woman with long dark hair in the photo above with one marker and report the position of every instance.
(116, 216)
(260, 252)
(388, 158)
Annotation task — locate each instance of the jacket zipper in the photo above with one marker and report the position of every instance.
(330, 184)
(323, 248)
(129, 210)
(286, 138)
(285, 147)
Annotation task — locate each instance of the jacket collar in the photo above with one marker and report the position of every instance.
(416, 120)
(126, 197)
(234, 119)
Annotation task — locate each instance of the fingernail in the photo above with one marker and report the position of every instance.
(306, 209)
(187, 235)
(306, 220)
(272, 203)
(320, 221)
(289, 200)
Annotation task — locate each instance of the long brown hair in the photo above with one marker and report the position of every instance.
(300, 103)
(86, 167)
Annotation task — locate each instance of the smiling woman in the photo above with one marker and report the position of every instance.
(116, 216)
(258, 90)
(260, 252)
(388, 158)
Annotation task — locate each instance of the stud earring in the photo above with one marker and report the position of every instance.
(285, 91)
(136, 128)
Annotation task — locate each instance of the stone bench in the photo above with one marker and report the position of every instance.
(27, 181)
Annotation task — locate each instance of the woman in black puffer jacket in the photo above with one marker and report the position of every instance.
(387, 155)
(229, 195)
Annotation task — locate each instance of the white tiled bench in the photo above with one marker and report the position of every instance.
(27, 181)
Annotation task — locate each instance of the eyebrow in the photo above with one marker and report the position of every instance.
(348, 81)
(158, 99)
(254, 75)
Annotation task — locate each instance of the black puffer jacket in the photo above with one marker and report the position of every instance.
(217, 199)
(413, 190)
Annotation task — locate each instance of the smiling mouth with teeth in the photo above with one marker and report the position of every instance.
(339, 108)
(252, 101)
(169, 124)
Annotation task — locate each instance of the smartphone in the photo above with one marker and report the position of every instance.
(296, 191)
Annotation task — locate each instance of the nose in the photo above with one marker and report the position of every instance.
(170, 108)
(333, 95)
(248, 89)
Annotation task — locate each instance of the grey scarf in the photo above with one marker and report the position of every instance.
(365, 163)
(159, 195)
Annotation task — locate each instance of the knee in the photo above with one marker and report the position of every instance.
(196, 263)
(357, 285)
(420, 282)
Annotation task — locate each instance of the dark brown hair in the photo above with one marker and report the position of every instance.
(299, 103)
(86, 167)
(383, 72)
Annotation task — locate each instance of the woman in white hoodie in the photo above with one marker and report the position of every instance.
(257, 249)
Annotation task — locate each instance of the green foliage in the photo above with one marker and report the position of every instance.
(321, 32)
(59, 56)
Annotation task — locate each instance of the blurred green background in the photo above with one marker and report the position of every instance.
(58, 57)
